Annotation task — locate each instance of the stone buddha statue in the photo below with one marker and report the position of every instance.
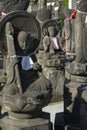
(43, 13)
(51, 42)
(26, 84)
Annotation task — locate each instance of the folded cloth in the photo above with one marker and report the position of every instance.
(55, 42)
(27, 63)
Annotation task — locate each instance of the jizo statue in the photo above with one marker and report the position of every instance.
(26, 84)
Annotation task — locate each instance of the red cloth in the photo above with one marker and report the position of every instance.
(0, 15)
(73, 15)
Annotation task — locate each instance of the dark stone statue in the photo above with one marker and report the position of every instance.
(51, 42)
(9, 5)
(26, 84)
(32, 8)
(80, 33)
(43, 13)
(76, 73)
(69, 32)
(51, 58)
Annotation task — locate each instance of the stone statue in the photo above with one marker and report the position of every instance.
(43, 13)
(26, 85)
(69, 32)
(51, 58)
(80, 34)
(32, 8)
(76, 73)
(7, 6)
(51, 42)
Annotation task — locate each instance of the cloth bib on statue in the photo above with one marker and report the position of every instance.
(27, 63)
(54, 42)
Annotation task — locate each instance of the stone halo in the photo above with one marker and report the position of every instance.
(48, 23)
(23, 21)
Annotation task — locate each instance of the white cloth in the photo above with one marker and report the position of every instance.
(54, 42)
(27, 63)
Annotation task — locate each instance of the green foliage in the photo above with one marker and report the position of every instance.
(61, 20)
(66, 3)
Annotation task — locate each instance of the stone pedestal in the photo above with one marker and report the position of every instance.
(53, 70)
(31, 124)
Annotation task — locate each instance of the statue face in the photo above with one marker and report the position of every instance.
(51, 31)
(22, 39)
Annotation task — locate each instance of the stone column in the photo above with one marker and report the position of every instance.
(69, 31)
(75, 93)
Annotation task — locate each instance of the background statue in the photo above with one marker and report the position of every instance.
(43, 13)
(80, 33)
(51, 41)
(9, 5)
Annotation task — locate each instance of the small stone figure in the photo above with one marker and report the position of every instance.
(51, 42)
(43, 13)
(7, 6)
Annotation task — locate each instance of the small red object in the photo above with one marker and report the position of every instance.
(73, 15)
(0, 15)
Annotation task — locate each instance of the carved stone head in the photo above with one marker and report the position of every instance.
(50, 27)
(51, 31)
(22, 39)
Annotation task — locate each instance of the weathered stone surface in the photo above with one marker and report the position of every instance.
(75, 92)
(9, 5)
(81, 33)
(23, 85)
(54, 72)
(27, 21)
(58, 84)
(82, 5)
(32, 124)
(76, 68)
(69, 35)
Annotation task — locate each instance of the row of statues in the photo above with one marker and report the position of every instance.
(20, 36)
(34, 73)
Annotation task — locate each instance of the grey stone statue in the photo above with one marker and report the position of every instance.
(80, 34)
(51, 42)
(76, 73)
(26, 85)
(43, 13)
(51, 58)
(9, 5)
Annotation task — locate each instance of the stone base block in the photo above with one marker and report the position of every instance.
(30, 124)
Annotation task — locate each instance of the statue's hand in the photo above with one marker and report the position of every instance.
(9, 29)
(37, 66)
